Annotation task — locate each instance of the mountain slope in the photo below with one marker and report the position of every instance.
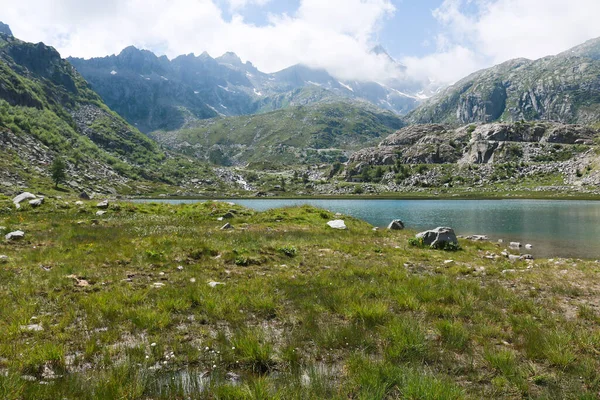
(303, 134)
(47, 110)
(564, 88)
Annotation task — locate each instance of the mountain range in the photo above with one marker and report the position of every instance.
(136, 120)
(155, 93)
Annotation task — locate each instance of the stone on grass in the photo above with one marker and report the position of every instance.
(528, 246)
(438, 237)
(32, 328)
(337, 224)
(396, 225)
(158, 285)
(16, 235)
(228, 215)
(84, 196)
(226, 227)
(515, 245)
(214, 284)
(478, 238)
(3, 259)
(514, 258)
(22, 197)
(100, 213)
(79, 203)
(103, 205)
(36, 202)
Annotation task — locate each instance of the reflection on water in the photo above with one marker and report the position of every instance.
(555, 228)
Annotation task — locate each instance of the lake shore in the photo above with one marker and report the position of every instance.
(158, 301)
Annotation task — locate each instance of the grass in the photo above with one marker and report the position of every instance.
(303, 311)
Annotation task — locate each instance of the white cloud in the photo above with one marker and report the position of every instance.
(334, 34)
(481, 33)
(240, 4)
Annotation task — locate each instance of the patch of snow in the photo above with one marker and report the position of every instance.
(215, 110)
(314, 83)
(346, 86)
(113, 72)
(249, 75)
(196, 92)
(163, 78)
(226, 89)
(256, 92)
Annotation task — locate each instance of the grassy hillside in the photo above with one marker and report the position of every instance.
(47, 110)
(304, 134)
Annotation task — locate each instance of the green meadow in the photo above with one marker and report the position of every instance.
(154, 301)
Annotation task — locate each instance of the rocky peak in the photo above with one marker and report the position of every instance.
(140, 61)
(5, 29)
(230, 58)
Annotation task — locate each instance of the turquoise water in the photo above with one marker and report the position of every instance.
(555, 228)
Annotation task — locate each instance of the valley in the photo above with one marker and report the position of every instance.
(142, 256)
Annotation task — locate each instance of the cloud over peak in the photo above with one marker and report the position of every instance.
(336, 35)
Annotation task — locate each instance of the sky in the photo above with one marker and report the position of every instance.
(439, 40)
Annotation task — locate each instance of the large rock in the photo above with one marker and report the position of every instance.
(22, 197)
(84, 196)
(337, 224)
(16, 235)
(438, 237)
(396, 225)
(103, 205)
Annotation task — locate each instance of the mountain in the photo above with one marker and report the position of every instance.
(48, 111)
(154, 93)
(310, 134)
(564, 88)
(5, 29)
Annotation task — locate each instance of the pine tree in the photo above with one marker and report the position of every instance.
(58, 171)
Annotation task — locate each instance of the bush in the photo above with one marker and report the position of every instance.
(289, 251)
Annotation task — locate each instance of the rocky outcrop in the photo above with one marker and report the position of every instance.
(416, 144)
(472, 144)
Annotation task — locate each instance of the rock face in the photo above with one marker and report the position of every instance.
(396, 225)
(561, 88)
(337, 224)
(438, 237)
(16, 235)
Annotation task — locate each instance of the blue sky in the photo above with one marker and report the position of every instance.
(440, 40)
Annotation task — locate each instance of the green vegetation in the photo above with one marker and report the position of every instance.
(57, 171)
(120, 306)
(303, 134)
